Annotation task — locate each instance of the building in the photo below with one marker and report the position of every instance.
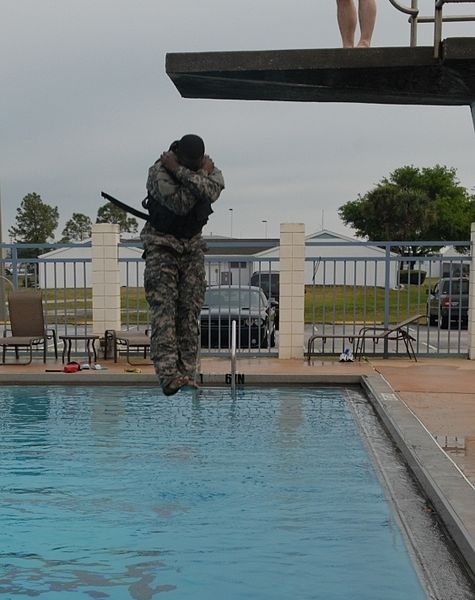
(334, 259)
(331, 258)
(70, 267)
(447, 263)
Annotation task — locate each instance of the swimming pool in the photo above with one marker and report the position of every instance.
(120, 493)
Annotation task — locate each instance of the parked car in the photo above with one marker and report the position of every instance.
(269, 283)
(248, 306)
(447, 301)
(261, 279)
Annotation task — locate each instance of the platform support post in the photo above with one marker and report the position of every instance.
(291, 290)
(105, 277)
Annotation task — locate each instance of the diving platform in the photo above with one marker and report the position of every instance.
(394, 75)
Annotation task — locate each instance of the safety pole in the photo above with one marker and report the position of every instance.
(233, 357)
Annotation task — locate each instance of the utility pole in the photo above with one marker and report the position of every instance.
(231, 213)
(265, 227)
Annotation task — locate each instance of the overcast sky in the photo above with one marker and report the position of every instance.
(85, 106)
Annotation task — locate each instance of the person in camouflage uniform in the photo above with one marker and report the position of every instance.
(181, 187)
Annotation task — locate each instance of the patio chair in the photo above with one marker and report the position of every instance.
(398, 332)
(27, 324)
(130, 339)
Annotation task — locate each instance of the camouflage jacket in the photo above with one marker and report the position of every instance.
(179, 193)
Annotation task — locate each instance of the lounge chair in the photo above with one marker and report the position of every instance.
(324, 337)
(130, 339)
(27, 324)
(398, 332)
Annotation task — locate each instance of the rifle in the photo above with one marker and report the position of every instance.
(126, 207)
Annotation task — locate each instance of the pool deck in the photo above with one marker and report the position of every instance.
(413, 399)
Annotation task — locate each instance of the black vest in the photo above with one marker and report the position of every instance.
(186, 226)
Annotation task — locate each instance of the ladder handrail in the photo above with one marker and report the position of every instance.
(233, 356)
(440, 3)
(405, 9)
(437, 19)
(413, 12)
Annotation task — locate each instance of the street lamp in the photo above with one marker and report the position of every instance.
(265, 227)
(231, 215)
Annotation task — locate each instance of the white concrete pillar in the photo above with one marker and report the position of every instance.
(291, 290)
(105, 277)
(471, 301)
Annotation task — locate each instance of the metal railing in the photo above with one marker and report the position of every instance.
(348, 284)
(350, 292)
(438, 19)
(256, 316)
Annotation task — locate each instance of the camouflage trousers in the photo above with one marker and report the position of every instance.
(174, 287)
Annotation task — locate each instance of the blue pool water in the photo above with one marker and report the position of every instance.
(120, 493)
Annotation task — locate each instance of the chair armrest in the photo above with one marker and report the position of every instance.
(364, 330)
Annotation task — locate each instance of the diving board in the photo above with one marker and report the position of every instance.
(388, 75)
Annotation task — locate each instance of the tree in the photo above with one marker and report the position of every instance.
(78, 228)
(109, 213)
(35, 223)
(413, 204)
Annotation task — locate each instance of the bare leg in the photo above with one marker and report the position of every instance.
(346, 15)
(367, 18)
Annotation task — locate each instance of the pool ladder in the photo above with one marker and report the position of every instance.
(233, 358)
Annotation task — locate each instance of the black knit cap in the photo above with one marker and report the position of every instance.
(191, 146)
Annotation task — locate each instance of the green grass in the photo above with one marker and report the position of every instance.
(78, 303)
(323, 304)
(350, 304)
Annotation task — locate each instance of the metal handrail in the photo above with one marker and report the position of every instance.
(233, 357)
(437, 19)
(405, 9)
(413, 12)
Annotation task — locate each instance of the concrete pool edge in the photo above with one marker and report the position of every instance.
(442, 482)
(103, 377)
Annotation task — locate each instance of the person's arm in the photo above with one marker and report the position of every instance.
(169, 191)
(180, 188)
(206, 184)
